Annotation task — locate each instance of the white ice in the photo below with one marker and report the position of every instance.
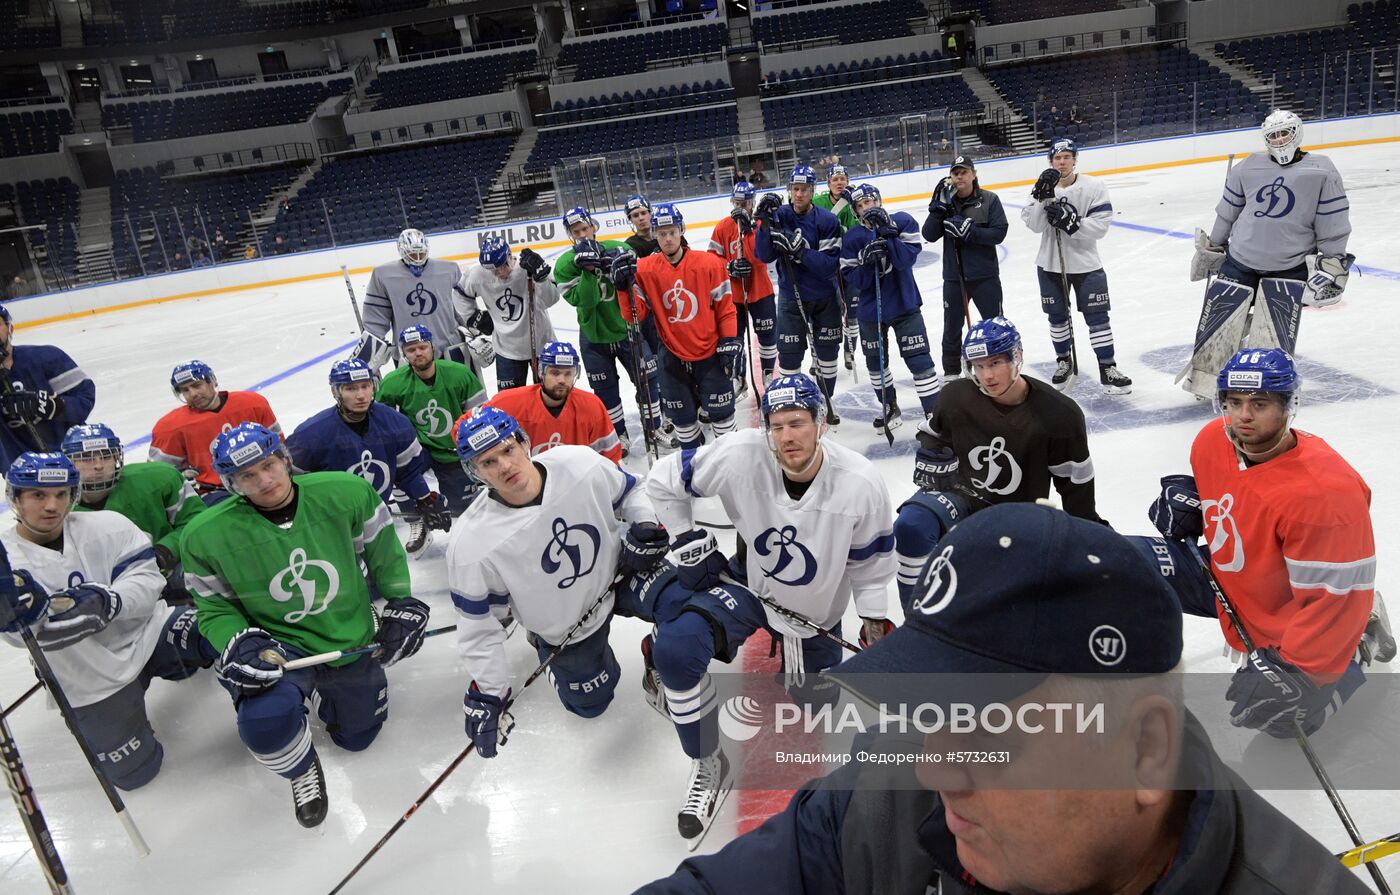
(589, 806)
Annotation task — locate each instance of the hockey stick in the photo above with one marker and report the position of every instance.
(847, 352)
(962, 283)
(530, 309)
(461, 756)
(65, 708)
(275, 657)
(1332, 795)
(27, 803)
(797, 617)
(19, 702)
(884, 371)
(1371, 851)
(634, 335)
(1069, 308)
(354, 302)
(811, 335)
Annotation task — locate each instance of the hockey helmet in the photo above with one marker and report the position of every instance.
(191, 371)
(495, 252)
(1283, 135)
(413, 249)
(94, 440)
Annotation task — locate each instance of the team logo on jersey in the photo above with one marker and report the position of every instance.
(510, 305)
(376, 472)
(553, 441)
(942, 583)
(422, 301)
(1279, 197)
(1217, 513)
(681, 303)
(999, 463)
(736, 246)
(304, 578)
(1107, 645)
(576, 545)
(798, 563)
(433, 419)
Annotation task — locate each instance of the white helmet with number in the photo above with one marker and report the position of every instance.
(413, 248)
(1283, 135)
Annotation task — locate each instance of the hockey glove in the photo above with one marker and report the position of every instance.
(589, 256)
(941, 203)
(78, 613)
(1045, 185)
(251, 663)
(623, 270)
(729, 347)
(20, 407)
(488, 723)
(957, 226)
(877, 219)
(872, 629)
(534, 265)
(22, 604)
(481, 349)
(1269, 693)
(175, 593)
(843, 196)
(741, 217)
(1207, 259)
(434, 511)
(697, 560)
(401, 627)
(767, 205)
(935, 469)
(1177, 510)
(1327, 283)
(790, 244)
(875, 254)
(739, 269)
(1063, 216)
(643, 546)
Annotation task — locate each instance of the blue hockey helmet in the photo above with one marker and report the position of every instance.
(1062, 144)
(94, 440)
(795, 391)
(667, 215)
(36, 470)
(743, 191)
(1268, 370)
(989, 338)
(5, 316)
(495, 251)
(416, 332)
(245, 445)
(803, 174)
(578, 215)
(834, 170)
(559, 354)
(862, 192)
(483, 430)
(191, 371)
(344, 372)
(633, 203)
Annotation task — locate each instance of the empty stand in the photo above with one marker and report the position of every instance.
(608, 57)
(653, 99)
(848, 23)
(949, 93)
(846, 73)
(166, 119)
(997, 12)
(468, 76)
(31, 131)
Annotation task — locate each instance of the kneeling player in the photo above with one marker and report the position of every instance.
(276, 575)
(91, 596)
(997, 437)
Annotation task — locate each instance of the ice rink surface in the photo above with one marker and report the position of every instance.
(589, 806)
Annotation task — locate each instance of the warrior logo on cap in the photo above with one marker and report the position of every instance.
(942, 583)
(1107, 645)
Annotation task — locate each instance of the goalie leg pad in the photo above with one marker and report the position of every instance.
(1278, 308)
(1219, 334)
(372, 350)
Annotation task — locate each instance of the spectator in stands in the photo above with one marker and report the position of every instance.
(250, 252)
(179, 262)
(279, 245)
(1074, 116)
(200, 259)
(221, 246)
(756, 176)
(944, 150)
(19, 287)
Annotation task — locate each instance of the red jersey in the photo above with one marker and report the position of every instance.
(690, 300)
(1291, 545)
(183, 436)
(729, 246)
(583, 420)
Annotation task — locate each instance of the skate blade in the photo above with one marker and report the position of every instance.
(889, 426)
(1117, 389)
(1067, 384)
(692, 844)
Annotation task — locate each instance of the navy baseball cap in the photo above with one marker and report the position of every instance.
(1028, 590)
(963, 161)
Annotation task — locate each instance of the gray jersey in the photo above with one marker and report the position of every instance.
(1273, 217)
(505, 300)
(395, 298)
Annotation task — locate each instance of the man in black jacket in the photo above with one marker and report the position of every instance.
(1040, 606)
(974, 223)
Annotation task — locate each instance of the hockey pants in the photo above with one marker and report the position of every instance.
(911, 339)
(825, 316)
(762, 316)
(600, 361)
(1091, 297)
(688, 384)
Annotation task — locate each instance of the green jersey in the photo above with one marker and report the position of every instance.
(301, 582)
(156, 498)
(847, 215)
(593, 296)
(433, 407)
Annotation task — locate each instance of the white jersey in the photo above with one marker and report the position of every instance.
(506, 301)
(395, 298)
(1274, 216)
(1089, 197)
(105, 548)
(548, 561)
(809, 555)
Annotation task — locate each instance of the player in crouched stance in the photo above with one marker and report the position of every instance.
(276, 575)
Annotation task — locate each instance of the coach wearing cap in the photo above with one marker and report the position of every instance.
(1057, 601)
(972, 224)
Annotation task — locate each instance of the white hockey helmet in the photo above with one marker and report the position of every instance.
(1283, 135)
(413, 248)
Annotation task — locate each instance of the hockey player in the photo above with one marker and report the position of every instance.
(1287, 523)
(182, 437)
(363, 437)
(432, 392)
(805, 241)
(45, 393)
(1072, 212)
(687, 293)
(554, 412)
(90, 593)
(276, 574)
(510, 293)
(998, 436)
(416, 289)
(974, 224)
(881, 251)
(152, 495)
(1279, 206)
(732, 240)
(837, 200)
(605, 340)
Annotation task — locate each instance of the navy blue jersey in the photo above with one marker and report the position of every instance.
(899, 294)
(387, 456)
(816, 275)
(50, 369)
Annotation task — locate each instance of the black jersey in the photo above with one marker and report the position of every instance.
(646, 245)
(1011, 454)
